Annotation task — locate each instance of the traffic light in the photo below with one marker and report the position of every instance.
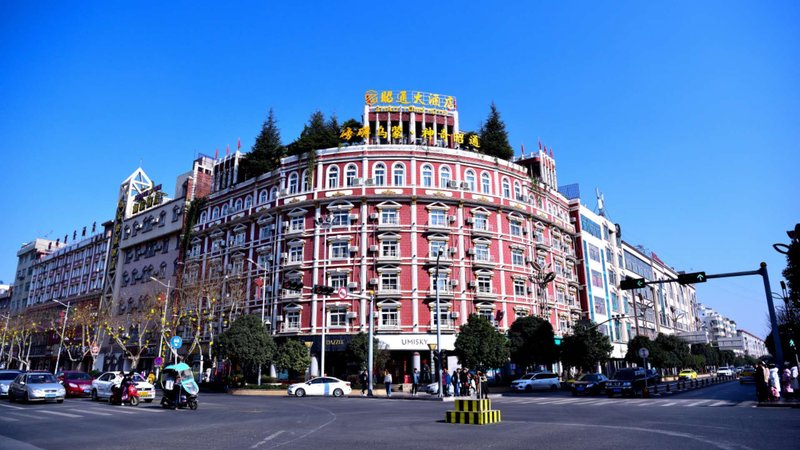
(690, 278)
(557, 340)
(321, 289)
(293, 285)
(632, 283)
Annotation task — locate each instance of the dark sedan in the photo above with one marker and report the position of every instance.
(590, 384)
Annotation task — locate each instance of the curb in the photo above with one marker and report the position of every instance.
(780, 404)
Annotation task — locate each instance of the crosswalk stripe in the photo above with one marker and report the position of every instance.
(9, 419)
(122, 411)
(670, 404)
(698, 403)
(56, 413)
(10, 406)
(719, 403)
(96, 413)
(29, 416)
(569, 400)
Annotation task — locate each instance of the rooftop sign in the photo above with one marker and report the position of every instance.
(414, 101)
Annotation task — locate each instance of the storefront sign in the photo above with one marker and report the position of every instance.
(415, 341)
(148, 199)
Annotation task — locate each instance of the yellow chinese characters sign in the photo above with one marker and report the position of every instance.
(410, 101)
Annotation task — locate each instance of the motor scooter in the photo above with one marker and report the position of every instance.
(124, 393)
(180, 389)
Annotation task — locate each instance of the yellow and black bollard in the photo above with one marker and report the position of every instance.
(473, 412)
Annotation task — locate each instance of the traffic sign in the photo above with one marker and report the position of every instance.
(342, 292)
(158, 361)
(690, 278)
(644, 353)
(95, 350)
(632, 283)
(176, 342)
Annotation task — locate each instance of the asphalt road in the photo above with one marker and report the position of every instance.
(722, 416)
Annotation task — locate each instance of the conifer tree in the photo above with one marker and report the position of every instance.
(494, 137)
(317, 134)
(266, 154)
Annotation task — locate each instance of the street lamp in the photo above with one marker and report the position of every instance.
(263, 302)
(324, 222)
(163, 319)
(308, 345)
(438, 316)
(3, 345)
(542, 277)
(63, 330)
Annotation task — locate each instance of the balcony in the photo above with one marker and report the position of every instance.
(443, 292)
(387, 224)
(482, 229)
(486, 261)
(386, 292)
(486, 293)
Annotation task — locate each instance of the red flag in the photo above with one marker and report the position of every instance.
(228, 150)
(239, 144)
(216, 153)
(551, 152)
(540, 143)
(523, 149)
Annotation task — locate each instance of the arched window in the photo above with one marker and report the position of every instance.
(427, 175)
(351, 173)
(237, 205)
(215, 213)
(263, 197)
(444, 176)
(506, 188)
(304, 179)
(485, 183)
(292, 183)
(273, 193)
(203, 217)
(333, 177)
(224, 210)
(470, 179)
(517, 191)
(379, 173)
(399, 174)
(248, 202)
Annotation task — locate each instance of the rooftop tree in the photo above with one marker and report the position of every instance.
(266, 154)
(494, 137)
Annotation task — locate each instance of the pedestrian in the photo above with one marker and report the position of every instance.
(473, 384)
(786, 382)
(456, 382)
(464, 379)
(795, 381)
(484, 385)
(761, 382)
(774, 382)
(446, 382)
(414, 382)
(364, 379)
(387, 381)
(151, 378)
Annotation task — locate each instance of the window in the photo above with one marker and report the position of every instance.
(340, 218)
(399, 174)
(485, 183)
(482, 252)
(389, 281)
(351, 174)
(263, 196)
(506, 188)
(293, 184)
(487, 314)
(389, 317)
(273, 193)
(239, 238)
(517, 257)
(340, 250)
(297, 223)
(203, 217)
(444, 282)
(337, 317)
(515, 228)
(379, 174)
(517, 191)
(333, 177)
(481, 222)
(248, 202)
(293, 320)
(484, 284)
(470, 179)
(597, 279)
(389, 216)
(437, 218)
(224, 210)
(427, 175)
(215, 213)
(305, 180)
(296, 253)
(520, 313)
(437, 246)
(614, 302)
(599, 306)
(444, 176)
(390, 248)
(519, 287)
(443, 317)
(594, 252)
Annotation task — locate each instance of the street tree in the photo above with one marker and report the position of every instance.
(532, 342)
(494, 137)
(136, 324)
(247, 344)
(293, 356)
(357, 352)
(266, 154)
(586, 347)
(22, 330)
(669, 351)
(480, 345)
(81, 332)
(638, 342)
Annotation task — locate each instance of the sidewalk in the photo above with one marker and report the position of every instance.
(781, 403)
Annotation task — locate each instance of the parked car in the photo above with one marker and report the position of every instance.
(725, 370)
(630, 381)
(6, 377)
(77, 384)
(590, 383)
(36, 386)
(321, 386)
(101, 386)
(747, 375)
(536, 381)
(687, 374)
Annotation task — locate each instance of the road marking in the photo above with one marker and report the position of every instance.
(564, 402)
(122, 411)
(9, 406)
(720, 404)
(56, 413)
(604, 402)
(268, 438)
(698, 403)
(96, 413)
(29, 416)
(669, 404)
(9, 419)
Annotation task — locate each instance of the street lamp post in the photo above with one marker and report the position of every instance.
(438, 324)
(3, 345)
(163, 320)
(63, 330)
(263, 303)
(369, 346)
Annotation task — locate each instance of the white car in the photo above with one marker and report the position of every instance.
(321, 386)
(536, 381)
(727, 371)
(101, 386)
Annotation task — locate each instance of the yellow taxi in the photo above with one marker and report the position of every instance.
(687, 374)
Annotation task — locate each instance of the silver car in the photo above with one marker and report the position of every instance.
(6, 377)
(36, 386)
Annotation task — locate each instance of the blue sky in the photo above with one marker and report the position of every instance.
(686, 115)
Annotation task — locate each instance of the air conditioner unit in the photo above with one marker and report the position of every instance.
(282, 192)
(451, 218)
(352, 285)
(530, 290)
(524, 231)
(473, 284)
(528, 260)
(454, 315)
(453, 250)
(279, 319)
(369, 182)
(358, 181)
(572, 220)
(470, 220)
(285, 225)
(471, 252)
(373, 281)
(352, 315)
(373, 216)
(373, 248)
(284, 255)
(453, 282)
(464, 185)
(353, 217)
(452, 184)
(353, 248)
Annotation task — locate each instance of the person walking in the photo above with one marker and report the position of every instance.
(484, 385)
(387, 381)
(456, 382)
(774, 381)
(364, 379)
(464, 379)
(415, 382)
(446, 382)
(786, 382)
(761, 382)
(795, 381)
